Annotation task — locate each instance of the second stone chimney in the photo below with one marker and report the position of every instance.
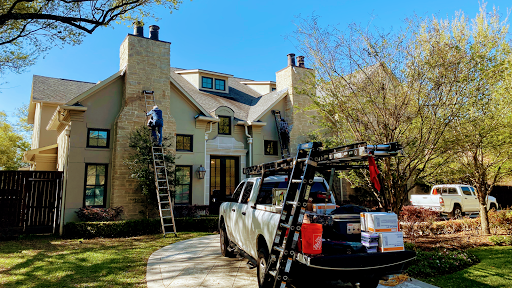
(291, 59)
(153, 32)
(300, 61)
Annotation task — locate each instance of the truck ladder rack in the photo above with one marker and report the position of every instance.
(309, 159)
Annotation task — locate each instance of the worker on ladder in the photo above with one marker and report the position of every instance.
(158, 123)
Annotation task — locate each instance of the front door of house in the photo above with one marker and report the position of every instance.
(224, 176)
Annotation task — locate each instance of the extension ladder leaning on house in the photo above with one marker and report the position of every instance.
(163, 191)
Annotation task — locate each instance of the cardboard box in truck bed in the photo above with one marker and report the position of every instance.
(379, 222)
(391, 241)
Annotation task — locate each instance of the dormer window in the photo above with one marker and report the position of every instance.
(220, 84)
(207, 82)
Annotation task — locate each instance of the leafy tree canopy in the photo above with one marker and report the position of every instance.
(12, 146)
(29, 28)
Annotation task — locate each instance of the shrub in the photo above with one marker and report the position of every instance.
(500, 222)
(129, 228)
(435, 263)
(90, 214)
(417, 221)
(501, 239)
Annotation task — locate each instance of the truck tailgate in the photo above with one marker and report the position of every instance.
(426, 201)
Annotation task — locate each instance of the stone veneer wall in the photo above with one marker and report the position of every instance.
(147, 68)
(292, 77)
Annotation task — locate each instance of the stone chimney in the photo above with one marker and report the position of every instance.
(147, 66)
(153, 32)
(300, 60)
(296, 79)
(138, 29)
(291, 59)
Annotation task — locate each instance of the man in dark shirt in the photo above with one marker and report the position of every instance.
(156, 113)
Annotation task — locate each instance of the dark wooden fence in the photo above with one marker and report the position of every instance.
(30, 201)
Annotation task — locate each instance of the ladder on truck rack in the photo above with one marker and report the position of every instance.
(281, 131)
(309, 159)
(163, 192)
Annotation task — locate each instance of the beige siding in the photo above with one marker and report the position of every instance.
(102, 110)
(184, 112)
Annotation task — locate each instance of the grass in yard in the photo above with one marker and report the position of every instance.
(100, 262)
(494, 270)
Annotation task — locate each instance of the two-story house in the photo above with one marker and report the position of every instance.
(219, 121)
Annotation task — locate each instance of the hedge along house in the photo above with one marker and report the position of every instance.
(218, 121)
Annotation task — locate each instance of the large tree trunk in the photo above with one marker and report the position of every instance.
(484, 220)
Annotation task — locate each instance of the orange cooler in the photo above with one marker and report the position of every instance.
(311, 238)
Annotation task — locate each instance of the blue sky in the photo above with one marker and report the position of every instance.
(243, 38)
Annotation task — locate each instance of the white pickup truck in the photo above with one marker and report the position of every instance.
(452, 199)
(248, 224)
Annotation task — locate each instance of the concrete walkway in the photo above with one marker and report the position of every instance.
(198, 263)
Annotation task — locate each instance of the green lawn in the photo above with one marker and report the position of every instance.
(101, 262)
(494, 270)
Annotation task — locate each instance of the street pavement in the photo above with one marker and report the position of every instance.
(198, 263)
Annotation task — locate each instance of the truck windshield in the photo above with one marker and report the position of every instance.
(318, 192)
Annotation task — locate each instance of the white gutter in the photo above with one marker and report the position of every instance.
(249, 140)
(207, 166)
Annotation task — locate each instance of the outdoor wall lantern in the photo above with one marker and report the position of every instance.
(201, 171)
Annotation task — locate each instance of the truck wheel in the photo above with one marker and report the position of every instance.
(224, 242)
(262, 266)
(456, 212)
(492, 207)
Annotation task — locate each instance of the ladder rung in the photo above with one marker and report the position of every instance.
(296, 181)
(280, 249)
(285, 225)
(162, 180)
(164, 202)
(159, 154)
(302, 160)
(168, 224)
(162, 195)
(165, 209)
(273, 273)
(294, 203)
(165, 217)
(160, 166)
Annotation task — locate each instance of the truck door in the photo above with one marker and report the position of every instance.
(470, 201)
(242, 213)
(230, 214)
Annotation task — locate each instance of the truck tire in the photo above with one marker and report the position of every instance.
(224, 242)
(261, 267)
(456, 212)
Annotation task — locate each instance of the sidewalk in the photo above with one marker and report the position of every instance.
(198, 263)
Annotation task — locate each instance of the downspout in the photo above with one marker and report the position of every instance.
(65, 168)
(206, 164)
(249, 140)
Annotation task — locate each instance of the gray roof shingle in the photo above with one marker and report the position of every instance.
(57, 90)
(245, 102)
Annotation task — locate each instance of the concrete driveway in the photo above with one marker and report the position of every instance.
(198, 263)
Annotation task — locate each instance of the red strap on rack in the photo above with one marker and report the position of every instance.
(374, 171)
